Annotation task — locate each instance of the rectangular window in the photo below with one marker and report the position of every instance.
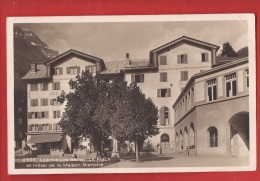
(29, 127)
(34, 102)
(44, 114)
(204, 57)
(182, 59)
(163, 77)
(184, 75)
(139, 78)
(56, 114)
(58, 71)
(55, 86)
(73, 70)
(212, 90)
(231, 85)
(163, 92)
(20, 121)
(43, 86)
(163, 60)
(53, 102)
(91, 68)
(44, 102)
(34, 87)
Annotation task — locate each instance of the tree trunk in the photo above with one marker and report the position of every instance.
(136, 150)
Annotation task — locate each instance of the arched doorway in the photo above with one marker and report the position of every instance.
(192, 136)
(165, 141)
(238, 139)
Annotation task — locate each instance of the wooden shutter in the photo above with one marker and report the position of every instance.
(132, 78)
(50, 126)
(53, 86)
(29, 127)
(182, 75)
(168, 92)
(185, 57)
(31, 87)
(206, 57)
(54, 126)
(185, 75)
(179, 59)
(162, 117)
(40, 127)
(40, 115)
(78, 69)
(58, 86)
(41, 86)
(142, 77)
(54, 114)
(68, 70)
(158, 92)
(61, 71)
(51, 102)
(46, 114)
(58, 114)
(29, 115)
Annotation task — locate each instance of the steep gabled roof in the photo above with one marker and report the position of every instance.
(77, 54)
(185, 39)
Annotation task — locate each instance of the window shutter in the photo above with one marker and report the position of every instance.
(54, 126)
(37, 102)
(161, 77)
(182, 77)
(46, 114)
(30, 127)
(142, 77)
(54, 114)
(61, 71)
(58, 114)
(53, 86)
(165, 76)
(51, 102)
(29, 115)
(179, 59)
(40, 127)
(185, 58)
(186, 75)
(41, 86)
(68, 70)
(40, 115)
(158, 92)
(162, 117)
(78, 69)
(132, 78)
(206, 57)
(42, 102)
(58, 85)
(50, 126)
(169, 92)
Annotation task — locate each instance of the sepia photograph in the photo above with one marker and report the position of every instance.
(131, 94)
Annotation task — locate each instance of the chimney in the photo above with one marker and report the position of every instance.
(127, 59)
(33, 67)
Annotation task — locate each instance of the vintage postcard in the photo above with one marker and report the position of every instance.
(131, 94)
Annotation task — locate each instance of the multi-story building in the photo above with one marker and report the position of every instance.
(162, 78)
(44, 84)
(212, 112)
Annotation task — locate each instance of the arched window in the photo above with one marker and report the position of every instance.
(164, 116)
(165, 140)
(213, 136)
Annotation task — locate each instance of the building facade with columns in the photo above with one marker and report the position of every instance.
(212, 112)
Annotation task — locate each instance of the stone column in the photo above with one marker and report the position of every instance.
(115, 153)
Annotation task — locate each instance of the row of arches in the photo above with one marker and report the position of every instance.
(185, 138)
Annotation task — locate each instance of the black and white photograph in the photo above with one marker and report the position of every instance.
(131, 94)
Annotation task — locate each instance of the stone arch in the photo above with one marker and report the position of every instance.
(212, 136)
(238, 135)
(192, 135)
(181, 141)
(186, 137)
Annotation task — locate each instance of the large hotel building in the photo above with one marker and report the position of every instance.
(203, 105)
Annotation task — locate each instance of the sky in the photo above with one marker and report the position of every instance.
(112, 40)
